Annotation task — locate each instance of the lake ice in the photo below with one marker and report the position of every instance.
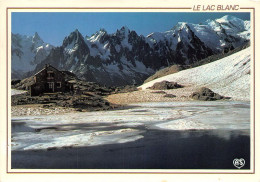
(121, 126)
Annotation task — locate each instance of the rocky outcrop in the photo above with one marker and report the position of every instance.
(205, 94)
(82, 102)
(166, 71)
(23, 84)
(125, 89)
(165, 85)
(86, 101)
(14, 82)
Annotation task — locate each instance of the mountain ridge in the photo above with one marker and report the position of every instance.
(124, 57)
(27, 52)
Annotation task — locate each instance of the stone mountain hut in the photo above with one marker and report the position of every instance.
(49, 80)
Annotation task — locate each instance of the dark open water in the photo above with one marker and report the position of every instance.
(159, 149)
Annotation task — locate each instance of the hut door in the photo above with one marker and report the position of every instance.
(51, 86)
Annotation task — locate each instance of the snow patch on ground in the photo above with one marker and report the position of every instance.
(17, 92)
(229, 76)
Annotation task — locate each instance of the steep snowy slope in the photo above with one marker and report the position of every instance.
(229, 76)
(27, 52)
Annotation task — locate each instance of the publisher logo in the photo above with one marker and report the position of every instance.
(239, 163)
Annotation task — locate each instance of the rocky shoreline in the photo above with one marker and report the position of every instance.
(38, 109)
(56, 103)
(85, 100)
(86, 96)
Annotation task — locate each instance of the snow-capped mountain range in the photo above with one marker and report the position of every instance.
(124, 57)
(27, 52)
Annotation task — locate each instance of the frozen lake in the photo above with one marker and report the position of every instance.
(180, 135)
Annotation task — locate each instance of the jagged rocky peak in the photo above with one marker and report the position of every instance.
(133, 37)
(75, 38)
(123, 31)
(97, 36)
(37, 38)
(182, 29)
(102, 30)
(124, 34)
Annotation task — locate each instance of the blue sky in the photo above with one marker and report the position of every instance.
(53, 27)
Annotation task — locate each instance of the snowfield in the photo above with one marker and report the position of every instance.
(229, 76)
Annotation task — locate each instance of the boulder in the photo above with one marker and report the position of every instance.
(159, 92)
(125, 89)
(205, 94)
(14, 82)
(169, 95)
(165, 85)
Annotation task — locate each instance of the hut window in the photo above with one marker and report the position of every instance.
(51, 85)
(50, 74)
(58, 84)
